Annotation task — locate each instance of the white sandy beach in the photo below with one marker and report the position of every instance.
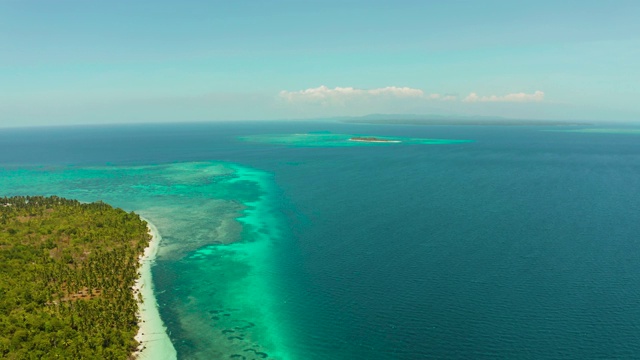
(376, 141)
(152, 336)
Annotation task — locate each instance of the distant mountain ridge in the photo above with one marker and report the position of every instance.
(415, 119)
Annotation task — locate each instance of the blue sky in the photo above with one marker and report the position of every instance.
(90, 61)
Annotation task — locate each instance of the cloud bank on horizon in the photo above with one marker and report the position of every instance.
(340, 95)
(515, 97)
(323, 92)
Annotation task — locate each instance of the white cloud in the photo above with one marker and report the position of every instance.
(323, 93)
(340, 95)
(396, 91)
(515, 97)
(343, 95)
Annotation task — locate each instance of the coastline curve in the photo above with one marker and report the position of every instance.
(154, 342)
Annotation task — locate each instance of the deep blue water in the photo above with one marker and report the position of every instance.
(521, 244)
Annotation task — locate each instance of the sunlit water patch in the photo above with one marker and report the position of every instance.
(327, 139)
(214, 265)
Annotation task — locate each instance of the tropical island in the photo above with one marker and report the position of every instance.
(329, 139)
(68, 273)
(373, 139)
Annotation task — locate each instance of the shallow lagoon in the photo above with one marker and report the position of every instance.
(213, 265)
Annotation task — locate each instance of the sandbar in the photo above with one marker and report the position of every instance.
(374, 140)
(152, 334)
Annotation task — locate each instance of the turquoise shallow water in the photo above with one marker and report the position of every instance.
(328, 139)
(522, 244)
(218, 226)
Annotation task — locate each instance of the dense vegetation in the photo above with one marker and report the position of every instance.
(66, 273)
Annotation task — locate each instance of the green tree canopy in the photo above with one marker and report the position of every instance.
(66, 275)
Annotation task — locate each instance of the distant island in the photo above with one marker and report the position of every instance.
(329, 139)
(440, 120)
(373, 139)
(68, 275)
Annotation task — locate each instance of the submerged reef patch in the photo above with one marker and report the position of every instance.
(326, 139)
(214, 271)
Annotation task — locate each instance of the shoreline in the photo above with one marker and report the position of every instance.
(152, 334)
(373, 139)
(376, 141)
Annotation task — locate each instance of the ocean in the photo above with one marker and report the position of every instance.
(281, 241)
